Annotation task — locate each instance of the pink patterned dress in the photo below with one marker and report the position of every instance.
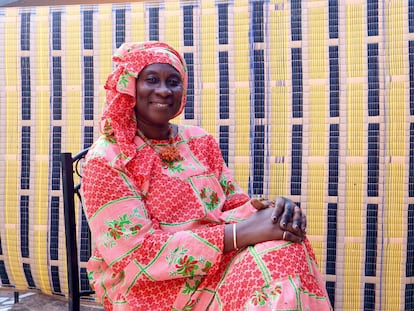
(159, 231)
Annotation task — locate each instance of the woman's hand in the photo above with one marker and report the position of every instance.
(280, 219)
(290, 217)
(286, 213)
(262, 203)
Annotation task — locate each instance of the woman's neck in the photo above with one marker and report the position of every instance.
(157, 133)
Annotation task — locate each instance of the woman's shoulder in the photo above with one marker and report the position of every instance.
(105, 148)
(192, 131)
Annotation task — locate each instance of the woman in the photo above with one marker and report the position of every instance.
(173, 230)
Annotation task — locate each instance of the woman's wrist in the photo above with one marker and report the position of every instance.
(235, 236)
(231, 235)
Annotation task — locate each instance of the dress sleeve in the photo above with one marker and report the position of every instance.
(129, 241)
(237, 204)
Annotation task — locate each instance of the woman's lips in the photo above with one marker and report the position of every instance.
(160, 105)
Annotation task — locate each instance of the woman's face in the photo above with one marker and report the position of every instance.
(159, 90)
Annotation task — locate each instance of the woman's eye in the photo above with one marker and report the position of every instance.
(151, 79)
(174, 82)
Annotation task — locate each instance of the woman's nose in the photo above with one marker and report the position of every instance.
(163, 89)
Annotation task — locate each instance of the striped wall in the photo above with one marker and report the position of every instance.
(310, 99)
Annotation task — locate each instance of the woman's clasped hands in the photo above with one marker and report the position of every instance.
(279, 219)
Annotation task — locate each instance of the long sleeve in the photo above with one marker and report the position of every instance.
(129, 239)
(236, 205)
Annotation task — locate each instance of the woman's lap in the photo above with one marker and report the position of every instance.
(276, 275)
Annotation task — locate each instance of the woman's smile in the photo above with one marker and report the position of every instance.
(159, 92)
(160, 104)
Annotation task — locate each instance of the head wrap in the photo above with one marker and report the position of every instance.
(118, 119)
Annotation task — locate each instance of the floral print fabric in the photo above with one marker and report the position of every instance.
(164, 250)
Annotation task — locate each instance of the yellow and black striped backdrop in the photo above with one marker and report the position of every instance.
(310, 99)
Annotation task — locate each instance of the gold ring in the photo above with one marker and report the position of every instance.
(284, 235)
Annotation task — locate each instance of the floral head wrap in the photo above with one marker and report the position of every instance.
(118, 119)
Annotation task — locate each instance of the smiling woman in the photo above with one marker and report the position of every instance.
(158, 96)
(173, 229)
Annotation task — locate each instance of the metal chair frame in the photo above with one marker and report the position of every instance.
(71, 165)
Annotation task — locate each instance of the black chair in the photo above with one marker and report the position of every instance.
(78, 284)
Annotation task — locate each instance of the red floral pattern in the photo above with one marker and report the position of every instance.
(173, 201)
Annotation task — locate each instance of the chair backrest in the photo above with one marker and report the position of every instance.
(78, 283)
